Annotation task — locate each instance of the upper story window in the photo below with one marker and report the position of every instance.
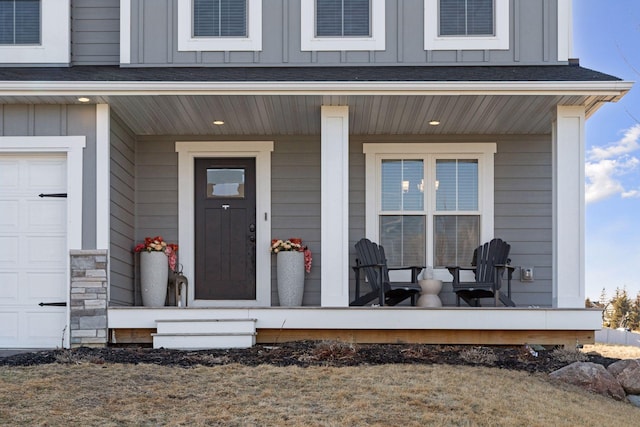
(466, 17)
(219, 25)
(19, 22)
(35, 32)
(341, 25)
(220, 18)
(342, 18)
(466, 24)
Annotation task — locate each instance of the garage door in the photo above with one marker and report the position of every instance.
(33, 251)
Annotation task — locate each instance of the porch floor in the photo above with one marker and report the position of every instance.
(447, 325)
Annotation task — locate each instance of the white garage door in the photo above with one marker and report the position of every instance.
(33, 251)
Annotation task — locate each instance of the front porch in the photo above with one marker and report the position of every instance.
(448, 325)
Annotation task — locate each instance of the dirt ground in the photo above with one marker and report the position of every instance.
(309, 353)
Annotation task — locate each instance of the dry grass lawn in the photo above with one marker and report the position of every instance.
(88, 394)
(615, 351)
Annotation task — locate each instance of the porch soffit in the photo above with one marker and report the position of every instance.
(286, 100)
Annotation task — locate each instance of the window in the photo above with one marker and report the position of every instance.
(342, 25)
(429, 204)
(219, 25)
(220, 18)
(466, 17)
(19, 22)
(466, 24)
(35, 32)
(342, 18)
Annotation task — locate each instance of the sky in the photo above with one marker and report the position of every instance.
(607, 39)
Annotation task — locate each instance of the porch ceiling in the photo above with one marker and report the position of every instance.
(299, 114)
(386, 100)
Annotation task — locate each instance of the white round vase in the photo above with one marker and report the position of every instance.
(154, 278)
(290, 270)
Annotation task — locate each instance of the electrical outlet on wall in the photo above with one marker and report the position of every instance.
(526, 274)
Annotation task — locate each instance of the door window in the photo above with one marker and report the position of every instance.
(225, 183)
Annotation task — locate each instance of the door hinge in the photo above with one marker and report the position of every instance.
(53, 195)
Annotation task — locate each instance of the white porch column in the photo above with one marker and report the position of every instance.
(568, 207)
(103, 176)
(334, 211)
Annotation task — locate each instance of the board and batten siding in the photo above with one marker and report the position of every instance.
(122, 214)
(533, 39)
(95, 32)
(61, 120)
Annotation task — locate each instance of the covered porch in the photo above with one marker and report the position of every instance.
(316, 140)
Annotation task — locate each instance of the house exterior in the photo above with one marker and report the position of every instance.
(430, 126)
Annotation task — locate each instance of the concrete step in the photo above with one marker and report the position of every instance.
(203, 341)
(201, 334)
(206, 326)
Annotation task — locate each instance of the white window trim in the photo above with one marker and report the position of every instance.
(125, 31)
(565, 30)
(432, 41)
(55, 38)
(484, 152)
(253, 41)
(309, 41)
(188, 151)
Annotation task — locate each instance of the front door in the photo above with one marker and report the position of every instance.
(225, 229)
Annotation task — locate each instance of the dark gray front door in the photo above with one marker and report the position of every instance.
(225, 228)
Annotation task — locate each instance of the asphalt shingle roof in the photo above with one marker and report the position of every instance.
(567, 73)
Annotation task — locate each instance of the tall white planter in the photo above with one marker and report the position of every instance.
(290, 270)
(154, 278)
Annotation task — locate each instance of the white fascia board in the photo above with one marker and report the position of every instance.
(614, 89)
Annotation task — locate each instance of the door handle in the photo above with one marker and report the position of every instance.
(252, 238)
(252, 228)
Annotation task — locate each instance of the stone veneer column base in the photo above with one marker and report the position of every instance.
(89, 285)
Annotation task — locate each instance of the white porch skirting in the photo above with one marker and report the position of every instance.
(367, 318)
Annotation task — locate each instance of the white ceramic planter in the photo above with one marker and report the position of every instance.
(154, 278)
(429, 295)
(290, 270)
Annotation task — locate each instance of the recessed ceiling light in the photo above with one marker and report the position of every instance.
(84, 99)
(434, 122)
(218, 122)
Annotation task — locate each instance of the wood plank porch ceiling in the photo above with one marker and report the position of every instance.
(263, 115)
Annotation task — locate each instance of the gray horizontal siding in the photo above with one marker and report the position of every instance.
(523, 212)
(95, 32)
(533, 38)
(61, 120)
(522, 201)
(122, 214)
(295, 186)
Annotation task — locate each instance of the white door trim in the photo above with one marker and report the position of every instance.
(72, 146)
(188, 151)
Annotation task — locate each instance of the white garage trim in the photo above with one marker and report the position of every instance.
(72, 146)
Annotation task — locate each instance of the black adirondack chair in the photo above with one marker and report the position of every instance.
(372, 261)
(489, 263)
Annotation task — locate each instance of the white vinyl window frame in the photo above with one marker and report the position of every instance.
(187, 42)
(309, 41)
(498, 41)
(55, 36)
(429, 152)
